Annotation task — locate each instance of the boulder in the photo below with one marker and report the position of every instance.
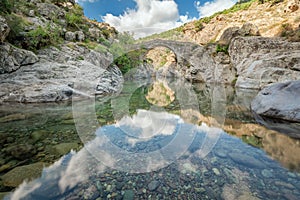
(17, 175)
(12, 58)
(260, 61)
(59, 74)
(4, 29)
(70, 36)
(21, 151)
(228, 35)
(280, 100)
(63, 148)
(79, 36)
(247, 29)
(50, 11)
(94, 33)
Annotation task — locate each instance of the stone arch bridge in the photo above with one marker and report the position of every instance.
(201, 65)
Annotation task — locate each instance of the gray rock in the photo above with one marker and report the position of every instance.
(128, 195)
(4, 29)
(60, 75)
(39, 135)
(153, 185)
(63, 148)
(21, 151)
(266, 173)
(70, 36)
(228, 35)
(246, 160)
(50, 11)
(247, 29)
(79, 36)
(279, 101)
(94, 33)
(17, 175)
(12, 58)
(31, 13)
(260, 61)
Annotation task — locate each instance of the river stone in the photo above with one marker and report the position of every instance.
(21, 151)
(63, 148)
(128, 195)
(246, 160)
(39, 135)
(216, 171)
(17, 175)
(266, 173)
(279, 101)
(153, 185)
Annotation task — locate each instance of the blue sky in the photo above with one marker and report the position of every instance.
(145, 17)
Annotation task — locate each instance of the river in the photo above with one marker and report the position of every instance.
(162, 139)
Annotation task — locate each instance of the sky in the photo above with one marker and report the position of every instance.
(146, 17)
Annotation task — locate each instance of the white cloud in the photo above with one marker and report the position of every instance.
(211, 7)
(150, 16)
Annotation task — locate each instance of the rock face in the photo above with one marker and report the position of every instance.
(4, 29)
(247, 29)
(260, 61)
(12, 58)
(58, 75)
(280, 101)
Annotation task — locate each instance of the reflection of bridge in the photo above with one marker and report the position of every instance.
(200, 63)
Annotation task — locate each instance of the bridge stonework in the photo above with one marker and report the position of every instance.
(201, 65)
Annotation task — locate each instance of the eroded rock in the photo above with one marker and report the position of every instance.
(279, 100)
(12, 58)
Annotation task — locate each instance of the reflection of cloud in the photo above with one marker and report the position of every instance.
(24, 189)
(146, 124)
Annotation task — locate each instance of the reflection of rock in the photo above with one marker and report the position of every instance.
(12, 117)
(284, 149)
(63, 148)
(160, 94)
(280, 101)
(21, 151)
(248, 161)
(16, 176)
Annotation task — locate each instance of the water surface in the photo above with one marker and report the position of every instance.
(165, 139)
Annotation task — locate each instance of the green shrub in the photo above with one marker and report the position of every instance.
(42, 37)
(104, 41)
(6, 6)
(17, 26)
(129, 60)
(74, 17)
(198, 25)
(222, 48)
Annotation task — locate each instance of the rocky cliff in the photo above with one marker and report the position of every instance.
(48, 48)
(250, 45)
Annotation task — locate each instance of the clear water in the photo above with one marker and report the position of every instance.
(160, 140)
